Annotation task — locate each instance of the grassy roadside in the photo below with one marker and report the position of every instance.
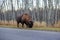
(47, 29)
(41, 28)
(8, 26)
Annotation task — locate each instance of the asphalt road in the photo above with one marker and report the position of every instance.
(22, 34)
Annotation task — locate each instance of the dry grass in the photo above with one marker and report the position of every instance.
(9, 24)
(36, 26)
(57, 24)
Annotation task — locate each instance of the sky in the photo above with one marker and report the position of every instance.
(0, 2)
(15, 5)
(41, 4)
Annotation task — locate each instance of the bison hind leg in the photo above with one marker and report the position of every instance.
(22, 25)
(18, 24)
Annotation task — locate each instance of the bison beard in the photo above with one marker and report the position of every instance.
(24, 19)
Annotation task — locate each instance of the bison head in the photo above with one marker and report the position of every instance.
(29, 24)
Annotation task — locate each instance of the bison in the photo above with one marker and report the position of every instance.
(24, 19)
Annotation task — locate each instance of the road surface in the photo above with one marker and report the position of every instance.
(22, 34)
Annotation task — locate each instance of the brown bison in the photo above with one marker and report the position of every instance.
(24, 19)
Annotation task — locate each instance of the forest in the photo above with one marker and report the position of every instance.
(42, 11)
